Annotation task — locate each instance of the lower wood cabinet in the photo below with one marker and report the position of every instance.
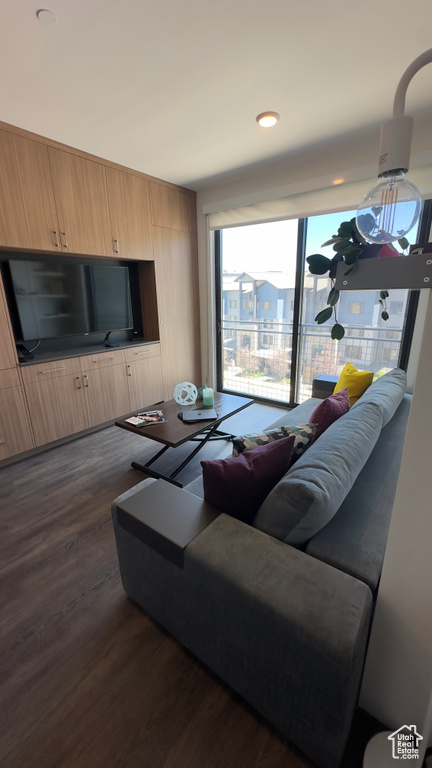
(56, 399)
(67, 396)
(145, 382)
(16, 434)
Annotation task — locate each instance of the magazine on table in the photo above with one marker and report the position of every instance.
(147, 418)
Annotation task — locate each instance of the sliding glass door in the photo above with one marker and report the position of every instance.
(257, 270)
(269, 345)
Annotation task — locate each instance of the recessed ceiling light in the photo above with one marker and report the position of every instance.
(335, 182)
(267, 119)
(47, 18)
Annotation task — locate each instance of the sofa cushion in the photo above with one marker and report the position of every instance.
(329, 410)
(239, 485)
(387, 392)
(355, 381)
(303, 436)
(311, 492)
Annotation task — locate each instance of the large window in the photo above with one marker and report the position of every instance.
(261, 269)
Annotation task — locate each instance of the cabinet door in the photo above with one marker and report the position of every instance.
(15, 431)
(177, 291)
(129, 203)
(173, 208)
(107, 393)
(8, 355)
(13, 224)
(38, 194)
(57, 407)
(145, 382)
(82, 204)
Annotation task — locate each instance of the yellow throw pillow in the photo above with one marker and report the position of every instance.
(355, 381)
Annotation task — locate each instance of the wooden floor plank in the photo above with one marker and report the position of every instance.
(87, 679)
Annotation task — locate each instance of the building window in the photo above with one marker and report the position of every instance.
(353, 351)
(356, 307)
(267, 339)
(233, 303)
(266, 305)
(392, 335)
(389, 355)
(247, 305)
(358, 332)
(396, 307)
(233, 317)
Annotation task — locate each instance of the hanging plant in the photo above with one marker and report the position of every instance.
(349, 245)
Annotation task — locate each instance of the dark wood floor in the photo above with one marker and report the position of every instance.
(87, 679)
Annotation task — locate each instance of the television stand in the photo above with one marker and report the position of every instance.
(107, 342)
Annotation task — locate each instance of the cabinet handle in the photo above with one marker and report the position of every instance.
(85, 381)
(143, 353)
(105, 358)
(56, 240)
(115, 245)
(51, 370)
(129, 372)
(65, 243)
(79, 382)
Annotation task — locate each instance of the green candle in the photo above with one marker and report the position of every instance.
(208, 396)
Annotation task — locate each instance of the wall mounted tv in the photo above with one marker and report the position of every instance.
(58, 298)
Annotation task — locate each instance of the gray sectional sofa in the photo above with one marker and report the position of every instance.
(281, 609)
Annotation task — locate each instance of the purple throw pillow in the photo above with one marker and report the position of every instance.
(239, 485)
(329, 410)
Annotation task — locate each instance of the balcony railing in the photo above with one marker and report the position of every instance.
(257, 355)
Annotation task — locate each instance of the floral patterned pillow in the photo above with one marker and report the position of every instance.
(303, 433)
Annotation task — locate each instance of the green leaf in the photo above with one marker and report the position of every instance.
(337, 332)
(324, 315)
(345, 229)
(403, 242)
(385, 315)
(381, 303)
(341, 245)
(318, 264)
(352, 255)
(384, 294)
(333, 297)
(334, 262)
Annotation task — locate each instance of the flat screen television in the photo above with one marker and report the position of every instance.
(60, 298)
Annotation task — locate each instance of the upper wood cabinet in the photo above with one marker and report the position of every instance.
(172, 208)
(82, 204)
(13, 224)
(38, 194)
(129, 203)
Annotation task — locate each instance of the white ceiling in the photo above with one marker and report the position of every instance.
(172, 88)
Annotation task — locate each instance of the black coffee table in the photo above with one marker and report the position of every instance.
(174, 432)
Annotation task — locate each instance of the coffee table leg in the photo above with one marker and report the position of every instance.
(152, 473)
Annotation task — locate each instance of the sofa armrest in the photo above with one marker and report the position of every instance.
(286, 631)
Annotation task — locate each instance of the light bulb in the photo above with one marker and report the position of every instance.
(389, 210)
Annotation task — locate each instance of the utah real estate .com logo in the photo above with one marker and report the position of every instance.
(405, 743)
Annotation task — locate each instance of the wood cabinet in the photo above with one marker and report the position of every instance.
(172, 208)
(144, 376)
(71, 395)
(13, 224)
(105, 385)
(178, 300)
(82, 204)
(16, 435)
(55, 398)
(38, 194)
(129, 203)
